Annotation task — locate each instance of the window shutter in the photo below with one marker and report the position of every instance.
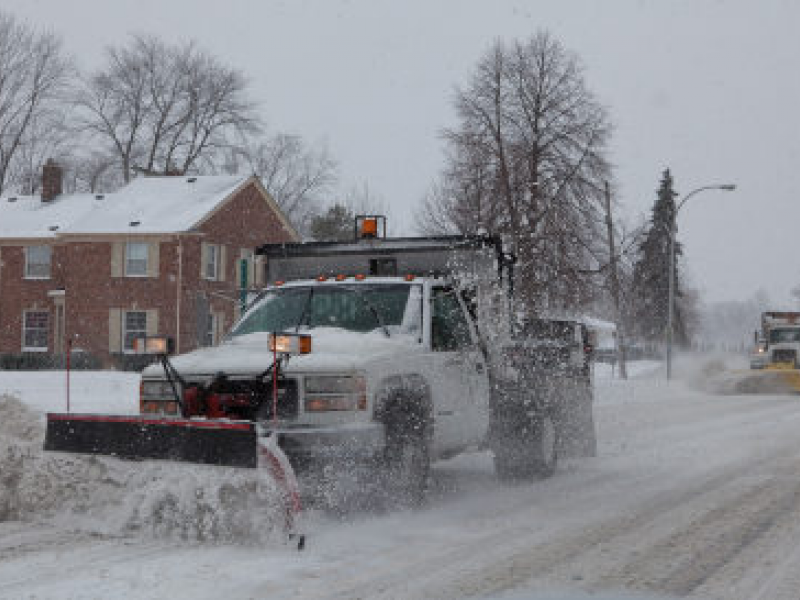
(152, 259)
(117, 258)
(223, 262)
(203, 260)
(152, 322)
(115, 330)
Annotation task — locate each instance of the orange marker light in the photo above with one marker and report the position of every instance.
(360, 277)
(369, 228)
(322, 278)
(409, 277)
(341, 277)
(279, 283)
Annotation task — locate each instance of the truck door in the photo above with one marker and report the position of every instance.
(461, 396)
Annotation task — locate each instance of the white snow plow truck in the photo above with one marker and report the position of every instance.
(777, 352)
(382, 352)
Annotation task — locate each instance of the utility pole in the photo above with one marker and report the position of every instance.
(614, 276)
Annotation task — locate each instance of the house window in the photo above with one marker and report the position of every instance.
(212, 262)
(35, 329)
(134, 326)
(37, 262)
(136, 259)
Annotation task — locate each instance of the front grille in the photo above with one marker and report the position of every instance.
(784, 355)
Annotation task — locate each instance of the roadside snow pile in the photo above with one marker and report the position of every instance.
(109, 496)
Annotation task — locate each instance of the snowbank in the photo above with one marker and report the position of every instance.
(108, 496)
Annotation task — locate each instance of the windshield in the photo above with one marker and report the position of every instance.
(777, 336)
(386, 308)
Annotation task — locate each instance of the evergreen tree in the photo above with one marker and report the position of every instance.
(650, 298)
(334, 225)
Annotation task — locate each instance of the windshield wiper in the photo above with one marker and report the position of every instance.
(374, 312)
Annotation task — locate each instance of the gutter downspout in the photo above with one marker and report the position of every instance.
(178, 297)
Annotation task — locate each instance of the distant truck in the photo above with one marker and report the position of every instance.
(777, 343)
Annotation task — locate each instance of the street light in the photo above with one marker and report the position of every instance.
(725, 187)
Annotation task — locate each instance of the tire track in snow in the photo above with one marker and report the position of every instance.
(784, 582)
(517, 554)
(539, 562)
(683, 561)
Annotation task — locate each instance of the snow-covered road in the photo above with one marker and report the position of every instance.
(692, 494)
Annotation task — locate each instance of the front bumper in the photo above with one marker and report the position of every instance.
(313, 446)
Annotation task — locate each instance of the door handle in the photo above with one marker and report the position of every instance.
(479, 367)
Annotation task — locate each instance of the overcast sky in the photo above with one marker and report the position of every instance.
(708, 88)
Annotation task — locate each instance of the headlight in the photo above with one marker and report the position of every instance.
(157, 390)
(335, 392)
(323, 403)
(150, 407)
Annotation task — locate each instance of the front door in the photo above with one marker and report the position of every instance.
(459, 368)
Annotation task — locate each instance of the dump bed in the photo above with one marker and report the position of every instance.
(428, 256)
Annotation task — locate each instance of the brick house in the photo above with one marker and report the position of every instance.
(163, 255)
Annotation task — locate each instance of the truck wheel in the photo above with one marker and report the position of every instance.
(407, 459)
(532, 454)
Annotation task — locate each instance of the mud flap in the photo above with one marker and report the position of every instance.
(223, 443)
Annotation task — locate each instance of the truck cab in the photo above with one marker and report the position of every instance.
(778, 342)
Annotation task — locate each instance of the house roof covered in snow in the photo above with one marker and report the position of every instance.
(24, 217)
(147, 205)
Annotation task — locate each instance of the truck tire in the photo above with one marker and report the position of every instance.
(531, 453)
(407, 458)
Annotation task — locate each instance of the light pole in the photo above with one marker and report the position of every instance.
(726, 187)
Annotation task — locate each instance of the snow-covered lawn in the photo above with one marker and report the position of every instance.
(90, 391)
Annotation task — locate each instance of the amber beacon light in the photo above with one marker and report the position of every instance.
(370, 226)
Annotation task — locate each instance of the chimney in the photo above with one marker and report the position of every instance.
(52, 175)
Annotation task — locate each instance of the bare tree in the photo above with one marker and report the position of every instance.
(362, 199)
(527, 161)
(46, 136)
(299, 177)
(164, 108)
(93, 172)
(33, 73)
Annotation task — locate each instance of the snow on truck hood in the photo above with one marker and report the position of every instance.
(331, 350)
